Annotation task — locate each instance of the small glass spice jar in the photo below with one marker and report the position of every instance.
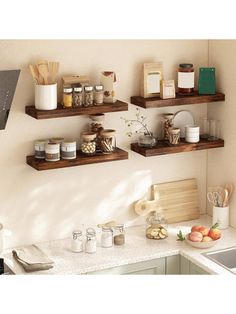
(39, 147)
(119, 235)
(107, 237)
(186, 79)
(108, 141)
(98, 94)
(52, 152)
(68, 150)
(77, 241)
(78, 96)
(88, 145)
(91, 241)
(88, 95)
(156, 226)
(67, 97)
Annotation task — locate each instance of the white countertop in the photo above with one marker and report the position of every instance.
(136, 249)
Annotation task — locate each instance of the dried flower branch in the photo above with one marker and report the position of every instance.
(140, 120)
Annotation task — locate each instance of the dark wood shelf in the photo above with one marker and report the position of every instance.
(156, 102)
(80, 160)
(62, 112)
(163, 148)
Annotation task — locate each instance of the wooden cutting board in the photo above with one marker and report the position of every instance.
(177, 200)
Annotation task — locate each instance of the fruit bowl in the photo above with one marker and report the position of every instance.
(201, 245)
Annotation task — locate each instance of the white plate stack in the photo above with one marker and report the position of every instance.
(192, 133)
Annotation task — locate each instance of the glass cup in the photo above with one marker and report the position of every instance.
(204, 128)
(214, 130)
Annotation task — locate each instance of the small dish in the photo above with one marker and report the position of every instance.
(201, 245)
(181, 119)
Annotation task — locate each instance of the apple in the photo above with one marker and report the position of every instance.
(195, 236)
(207, 239)
(214, 232)
(204, 230)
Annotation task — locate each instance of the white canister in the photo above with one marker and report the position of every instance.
(68, 150)
(77, 241)
(91, 241)
(192, 133)
(1, 238)
(108, 80)
(39, 147)
(46, 97)
(52, 152)
(221, 216)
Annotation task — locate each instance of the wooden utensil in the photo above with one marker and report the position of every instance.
(230, 188)
(43, 71)
(53, 68)
(34, 74)
(225, 198)
(177, 200)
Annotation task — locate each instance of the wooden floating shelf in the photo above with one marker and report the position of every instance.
(157, 102)
(62, 112)
(80, 160)
(163, 148)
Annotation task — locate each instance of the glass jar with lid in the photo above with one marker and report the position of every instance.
(67, 97)
(77, 241)
(88, 145)
(186, 79)
(88, 95)
(107, 237)
(108, 141)
(156, 226)
(168, 123)
(98, 94)
(91, 241)
(78, 96)
(119, 235)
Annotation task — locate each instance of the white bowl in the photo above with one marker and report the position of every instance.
(201, 245)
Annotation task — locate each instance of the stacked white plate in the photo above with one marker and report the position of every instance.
(192, 133)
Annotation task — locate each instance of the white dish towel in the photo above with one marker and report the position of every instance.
(32, 258)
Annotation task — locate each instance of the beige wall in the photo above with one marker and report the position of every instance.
(37, 206)
(221, 163)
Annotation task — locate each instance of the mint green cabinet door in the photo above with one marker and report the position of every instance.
(196, 270)
(173, 265)
(189, 268)
(152, 267)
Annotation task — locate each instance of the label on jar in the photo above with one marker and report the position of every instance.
(186, 80)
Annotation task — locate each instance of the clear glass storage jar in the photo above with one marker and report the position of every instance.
(88, 145)
(98, 94)
(39, 147)
(68, 150)
(186, 79)
(91, 241)
(147, 140)
(119, 235)
(107, 237)
(78, 96)
(52, 152)
(88, 95)
(156, 226)
(67, 97)
(77, 241)
(108, 141)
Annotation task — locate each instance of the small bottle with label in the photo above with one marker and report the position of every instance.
(78, 96)
(88, 95)
(67, 97)
(77, 241)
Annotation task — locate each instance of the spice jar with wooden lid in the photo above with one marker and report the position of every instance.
(88, 145)
(186, 79)
(119, 235)
(88, 95)
(98, 94)
(78, 96)
(108, 141)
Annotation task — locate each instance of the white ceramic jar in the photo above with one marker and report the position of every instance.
(68, 150)
(221, 216)
(192, 133)
(46, 97)
(52, 152)
(39, 147)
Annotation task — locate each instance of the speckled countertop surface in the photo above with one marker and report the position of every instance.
(136, 249)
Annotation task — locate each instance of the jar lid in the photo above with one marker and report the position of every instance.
(186, 65)
(120, 226)
(69, 143)
(52, 145)
(90, 231)
(78, 89)
(77, 232)
(108, 132)
(67, 89)
(88, 136)
(38, 142)
(88, 88)
(106, 229)
(56, 140)
(98, 88)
